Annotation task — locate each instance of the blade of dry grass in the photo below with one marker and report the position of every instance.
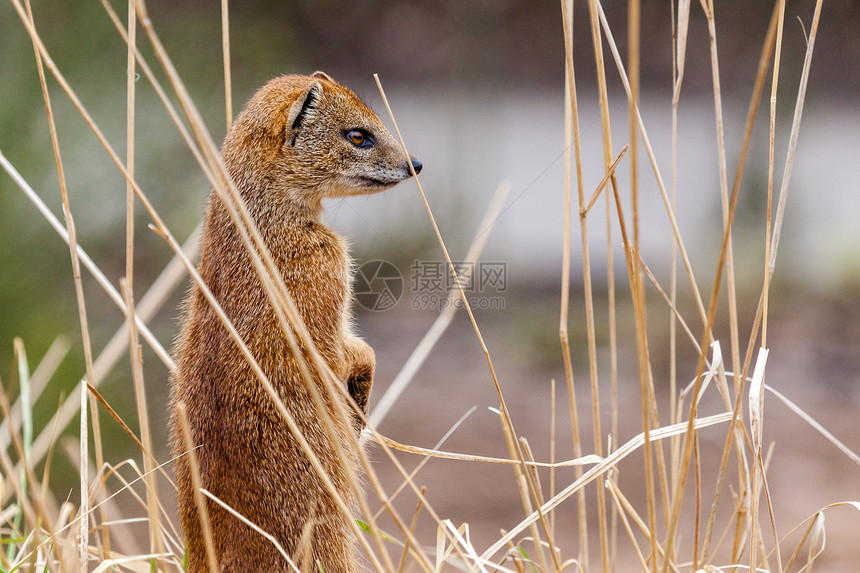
(406, 546)
(507, 422)
(276, 291)
(708, 8)
(156, 543)
(79, 293)
(84, 258)
(633, 64)
(604, 466)
(552, 460)
(253, 526)
(440, 325)
(621, 507)
(129, 155)
(522, 482)
(225, 43)
(145, 562)
(633, 47)
(29, 487)
(795, 132)
(571, 135)
(464, 542)
(281, 301)
(679, 52)
(770, 166)
(849, 453)
(84, 523)
(589, 297)
(436, 453)
(610, 172)
(797, 549)
(678, 318)
(739, 378)
(813, 521)
(756, 407)
(707, 319)
(202, 512)
(758, 382)
(655, 168)
(165, 233)
(393, 445)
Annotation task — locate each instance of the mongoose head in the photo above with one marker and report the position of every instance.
(311, 136)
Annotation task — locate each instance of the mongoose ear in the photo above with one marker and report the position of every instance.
(302, 110)
(322, 76)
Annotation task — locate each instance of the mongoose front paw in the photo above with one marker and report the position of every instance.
(360, 378)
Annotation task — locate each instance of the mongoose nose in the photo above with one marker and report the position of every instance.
(416, 165)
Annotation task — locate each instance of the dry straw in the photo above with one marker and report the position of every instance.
(45, 534)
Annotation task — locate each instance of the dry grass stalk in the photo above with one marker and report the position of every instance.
(739, 380)
(454, 544)
(708, 9)
(225, 48)
(603, 467)
(437, 453)
(198, 494)
(156, 544)
(407, 544)
(82, 312)
(655, 168)
(392, 445)
(440, 325)
(571, 136)
(622, 507)
(102, 365)
(523, 478)
(589, 298)
(276, 290)
(680, 26)
(507, 423)
(255, 527)
(159, 225)
(40, 508)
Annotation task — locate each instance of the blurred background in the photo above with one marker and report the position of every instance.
(477, 89)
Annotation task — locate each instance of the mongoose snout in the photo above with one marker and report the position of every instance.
(299, 140)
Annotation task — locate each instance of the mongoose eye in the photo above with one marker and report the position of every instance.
(359, 138)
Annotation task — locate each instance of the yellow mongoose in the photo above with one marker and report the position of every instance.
(298, 140)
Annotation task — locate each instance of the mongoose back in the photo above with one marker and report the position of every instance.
(299, 139)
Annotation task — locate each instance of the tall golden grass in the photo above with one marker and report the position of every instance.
(664, 533)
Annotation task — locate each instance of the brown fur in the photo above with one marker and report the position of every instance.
(287, 151)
